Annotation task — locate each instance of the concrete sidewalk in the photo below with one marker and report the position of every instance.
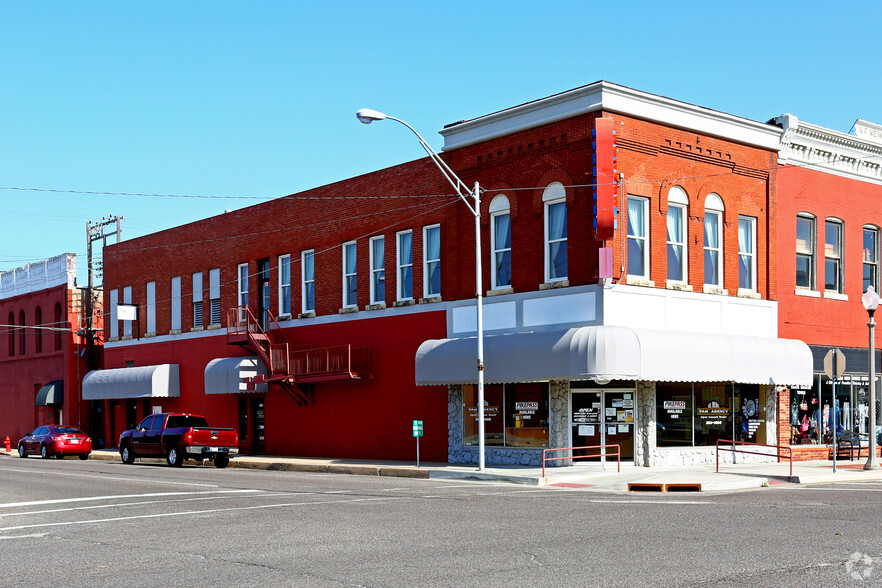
(581, 476)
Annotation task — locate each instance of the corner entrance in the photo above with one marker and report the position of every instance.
(602, 417)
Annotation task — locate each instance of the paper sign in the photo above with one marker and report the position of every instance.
(610, 412)
(623, 428)
(586, 430)
(611, 430)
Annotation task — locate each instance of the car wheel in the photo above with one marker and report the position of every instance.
(21, 451)
(128, 456)
(221, 462)
(175, 457)
(84, 456)
(44, 452)
(59, 456)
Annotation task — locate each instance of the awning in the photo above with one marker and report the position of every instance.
(51, 393)
(151, 381)
(616, 353)
(224, 375)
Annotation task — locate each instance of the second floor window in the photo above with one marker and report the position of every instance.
(350, 275)
(805, 252)
(871, 258)
(500, 241)
(638, 236)
(405, 265)
(432, 261)
(746, 253)
(284, 285)
(243, 284)
(378, 270)
(197, 300)
(214, 309)
(833, 256)
(713, 241)
(307, 261)
(677, 202)
(555, 232)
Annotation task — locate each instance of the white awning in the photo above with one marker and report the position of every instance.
(151, 381)
(224, 375)
(616, 353)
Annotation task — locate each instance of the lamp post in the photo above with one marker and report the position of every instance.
(870, 300)
(367, 116)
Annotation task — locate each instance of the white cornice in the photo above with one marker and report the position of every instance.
(829, 151)
(612, 98)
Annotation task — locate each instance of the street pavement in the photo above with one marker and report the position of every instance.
(583, 476)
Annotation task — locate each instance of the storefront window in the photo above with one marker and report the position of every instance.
(674, 415)
(813, 410)
(515, 415)
(700, 414)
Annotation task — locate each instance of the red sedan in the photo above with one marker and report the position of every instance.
(55, 440)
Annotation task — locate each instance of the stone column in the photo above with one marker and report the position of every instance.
(645, 433)
(559, 418)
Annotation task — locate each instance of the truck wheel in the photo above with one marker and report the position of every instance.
(221, 462)
(175, 457)
(128, 456)
(44, 452)
(22, 452)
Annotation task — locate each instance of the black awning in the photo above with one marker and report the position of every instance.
(51, 394)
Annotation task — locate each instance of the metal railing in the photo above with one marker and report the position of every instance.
(778, 448)
(617, 454)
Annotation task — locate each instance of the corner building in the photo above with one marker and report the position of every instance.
(323, 323)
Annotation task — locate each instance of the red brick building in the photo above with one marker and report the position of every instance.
(42, 358)
(662, 338)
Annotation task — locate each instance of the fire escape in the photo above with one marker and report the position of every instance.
(293, 367)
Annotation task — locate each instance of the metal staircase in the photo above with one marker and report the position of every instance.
(293, 367)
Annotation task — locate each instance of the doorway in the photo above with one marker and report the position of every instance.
(602, 417)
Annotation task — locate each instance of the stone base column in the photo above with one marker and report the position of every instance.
(645, 433)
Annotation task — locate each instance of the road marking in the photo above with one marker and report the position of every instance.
(128, 479)
(118, 496)
(35, 535)
(605, 501)
(838, 489)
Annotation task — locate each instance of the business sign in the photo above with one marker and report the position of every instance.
(418, 428)
(126, 312)
(605, 187)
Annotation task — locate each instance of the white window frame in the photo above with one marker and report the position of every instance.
(198, 311)
(713, 206)
(752, 287)
(427, 273)
(554, 194)
(350, 252)
(214, 309)
(151, 308)
(867, 261)
(642, 239)
(127, 300)
(378, 270)
(401, 268)
(307, 275)
(242, 284)
(114, 319)
(811, 252)
(499, 206)
(176, 303)
(838, 287)
(285, 286)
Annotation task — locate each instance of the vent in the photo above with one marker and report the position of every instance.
(197, 314)
(215, 311)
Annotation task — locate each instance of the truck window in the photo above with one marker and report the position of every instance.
(145, 424)
(186, 421)
(157, 423)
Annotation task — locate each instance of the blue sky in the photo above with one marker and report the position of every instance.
(225, 104)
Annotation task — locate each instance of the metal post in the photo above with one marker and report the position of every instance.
(479, 283)
(872, 463)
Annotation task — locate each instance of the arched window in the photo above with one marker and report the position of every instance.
(833, 247)
(500, 241)
(58, 324)
(11, 331)
(805, 251)
(713, 240)
(677, 255)
(871, 257)
(555, 199)
(22, 333)
(38, 332)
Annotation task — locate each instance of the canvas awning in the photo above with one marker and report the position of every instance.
(225, 375)
(616, 353)
(51, 394)
(151, 381)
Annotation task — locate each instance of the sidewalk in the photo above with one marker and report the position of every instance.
(581, 476)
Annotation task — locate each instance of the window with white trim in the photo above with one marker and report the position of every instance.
(127, 300)
(114, 319)
(214, 308)
(197, 300)
(307, 264)
(378, 270)
(284, 285)
(747, 253)
(555, 200)
(242, 284)
(151, 307)
(713, 240)
(833, 255)
(350, 275)
(176, 303)
(871, 257)
(805, 251)
(676, 243)
(404, 262)
(432, 261)
(500, 241)
(638, 236)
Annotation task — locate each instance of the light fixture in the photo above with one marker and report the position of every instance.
(870, 300)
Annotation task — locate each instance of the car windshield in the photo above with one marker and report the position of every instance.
(186, 421)
(65, 430)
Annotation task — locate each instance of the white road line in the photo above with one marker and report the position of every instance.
(195, 512)
(601, 501)
(98, 476)
(118, 496)
(837, 489)
(35, 535)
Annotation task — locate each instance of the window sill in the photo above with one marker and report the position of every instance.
(126, 338)
(752, 294)
(807, 293)
(500, 291)
(716, 290)
(306, 315)
(555, 284)
(639, 281)
(212, 327)
(111, 340)
(148, 335)
(175, 332)
(196, 329)
(430, 300)
(377, 306)
(835, 296)
(681, 286)
(400, 303)
(348, 309)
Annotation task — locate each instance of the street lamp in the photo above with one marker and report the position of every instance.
(870, 300)
(367, 116)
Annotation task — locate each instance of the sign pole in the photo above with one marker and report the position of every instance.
(418, 432)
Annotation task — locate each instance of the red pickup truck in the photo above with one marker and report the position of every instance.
(178, 436)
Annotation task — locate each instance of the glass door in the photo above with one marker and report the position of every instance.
(618, 421)
(602, 418)
(585, 422)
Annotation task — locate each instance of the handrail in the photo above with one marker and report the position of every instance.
(789, 450)
(618, 454)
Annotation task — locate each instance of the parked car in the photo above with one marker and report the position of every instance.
(176, 437)
(55, 440)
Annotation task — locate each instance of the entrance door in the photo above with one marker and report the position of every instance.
(602, 417)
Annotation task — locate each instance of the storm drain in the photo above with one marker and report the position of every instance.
(646, 487)
(643, 487)
(682, 487)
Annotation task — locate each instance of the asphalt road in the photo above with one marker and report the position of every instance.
(97, 523)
